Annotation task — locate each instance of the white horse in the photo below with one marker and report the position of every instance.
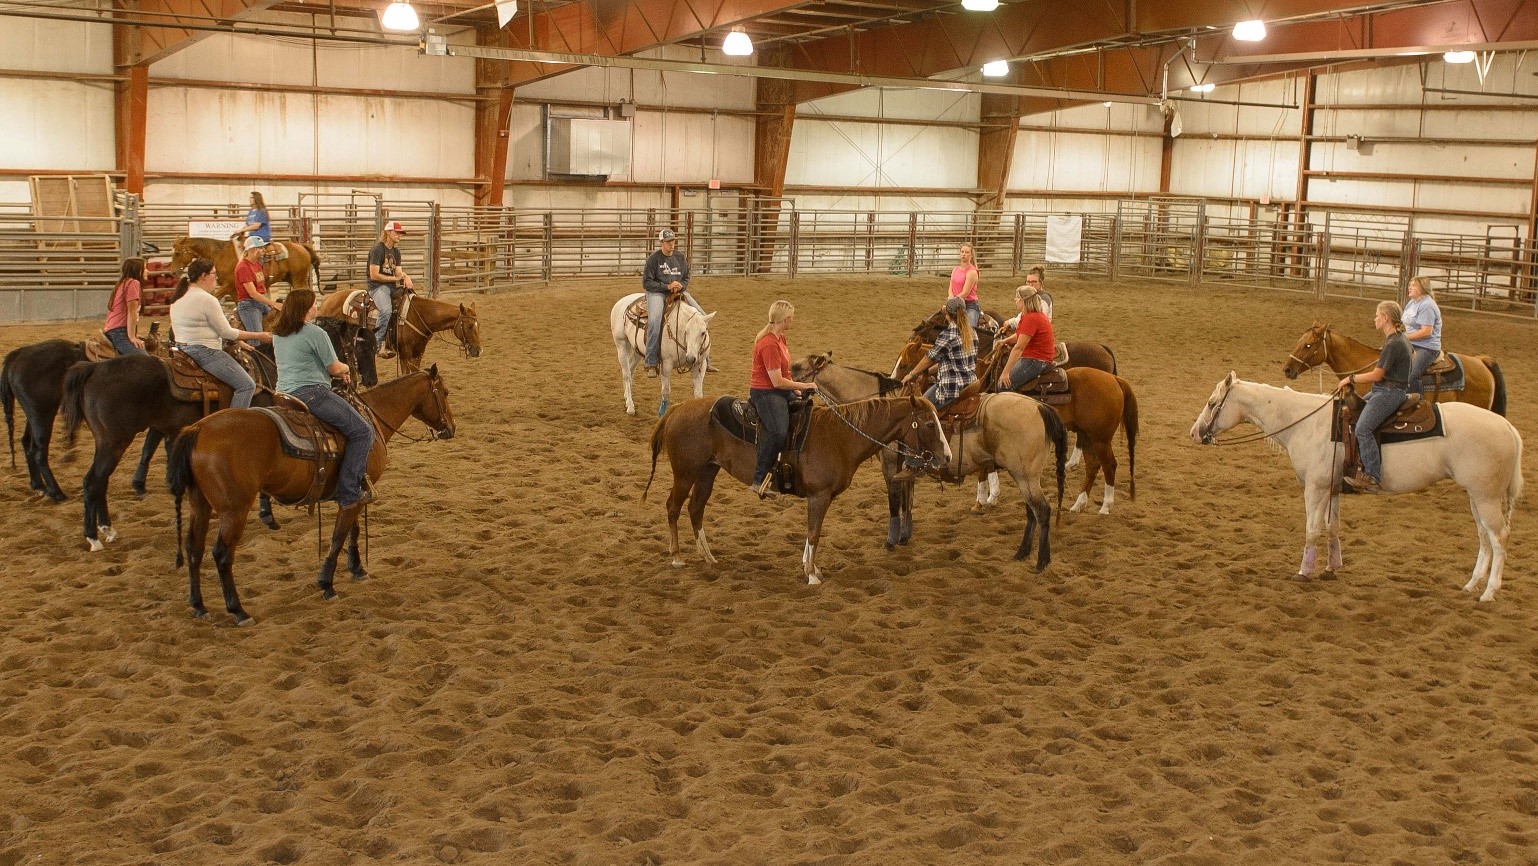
(1479, 450)
(685, 343)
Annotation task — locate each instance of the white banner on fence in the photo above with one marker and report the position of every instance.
(218, 230)
(1063, 234)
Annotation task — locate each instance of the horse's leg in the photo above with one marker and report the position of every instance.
(197, 538)
(816, 510)
(264, 511)
(909, 487)
(152, 440)
(1092, 458)
(232, 525)
(1077, 453)
(1316, 509)
(627, 364)
(704, 483)
(1490, 519)
(354, 557)
(1107, 453)
(1038, 511)
(346, 518)
(665, 373)
(29, 450)
(683, 483)
(699, 378)
(98, 524)
(35, 440)
(896, 493)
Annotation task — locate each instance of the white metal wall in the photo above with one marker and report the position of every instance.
(1239, 151)
(1066, 157)
(850, 154)
(54, 124)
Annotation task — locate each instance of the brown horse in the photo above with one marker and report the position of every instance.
(1100, 403)
(838, 441)
(1484, 384)
(222, 462)
(1081, 353)
(423, 318)
(294, 270)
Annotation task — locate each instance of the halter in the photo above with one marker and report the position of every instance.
(1209, 434)
(1324, 341)
(911, 457)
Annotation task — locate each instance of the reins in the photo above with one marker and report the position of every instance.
(900, 448)
(378, 421)
(1256, 437)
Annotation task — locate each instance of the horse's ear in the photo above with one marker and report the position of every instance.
(1320, 324)
(709, 316)
(1232, 377)
(432, 372)
(829, 355)
(462, 309)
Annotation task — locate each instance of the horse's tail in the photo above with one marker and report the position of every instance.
(179, 478)
(75, 380)
(658, 430)
(8, 402)
(1057, 434)
(1129, 423)
(1112, 353)
(1514, 488)
(1498, 398)
(314, 263)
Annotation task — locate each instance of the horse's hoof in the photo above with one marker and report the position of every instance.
(140, 492)
(630, 411)
(813, 580)
(1300, 577)
(200, 613)
(269, 522)
(1327, 574)
(1104, 511)
(1040, 567)
(360, 575)
(245, 621)
(678, 563)
(108, 534)
(58, 497)
(978, 508)
(94, 545)
(891, 545)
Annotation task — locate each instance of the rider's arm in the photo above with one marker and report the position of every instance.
(651, 279)
(969, 284)
(1420, 333)
(133, 323)
(783, 383)
(338, 370)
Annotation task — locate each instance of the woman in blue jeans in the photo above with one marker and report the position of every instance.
(1389, 377)
(306, 365)
(201, 329)
(122, 326)
(769, 388)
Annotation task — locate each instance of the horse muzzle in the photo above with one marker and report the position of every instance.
(1291, 371)
(473, 351)
(445, 433)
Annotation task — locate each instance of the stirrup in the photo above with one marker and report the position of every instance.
(765, 489)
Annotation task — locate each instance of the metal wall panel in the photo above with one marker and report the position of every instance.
(898, 105)
(36, 45)
(649, 87)
(832, 153)
(56, 125)
(1084, 161)
(671, 147)
(1234, 169)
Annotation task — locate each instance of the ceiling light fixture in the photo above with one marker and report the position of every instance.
(1205, 87)
(996, 68)
(979, 5)
(737, 44)
(1109, 104)
(1458, 57)
(1250, 31)
(400, 16)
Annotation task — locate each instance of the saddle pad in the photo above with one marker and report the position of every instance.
(303, 435)
(354, 308)
(1423, 423)
(190, 384)
(740, 422)
(1448, 381)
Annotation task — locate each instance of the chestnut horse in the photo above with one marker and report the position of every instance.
(222, 462)
(838, 441)
(1484, 384)
(294, 270)
(1080, 353)
(424, 318)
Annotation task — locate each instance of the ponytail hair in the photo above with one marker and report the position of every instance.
(1394, 312)
(779, 311)
(195, 271)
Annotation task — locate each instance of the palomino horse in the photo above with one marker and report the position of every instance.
(1484, 385)
(222, 462)
(1479, 450)
(294, 270)
(119, 398)
(413, 331)
(1012, 432)
(837, 442)
(685, 343)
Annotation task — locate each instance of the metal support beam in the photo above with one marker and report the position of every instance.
(493, 113)
(130, 124)
(996, 147)
(155, 43)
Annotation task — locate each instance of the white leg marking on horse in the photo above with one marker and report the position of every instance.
(1110, 497)
(1310, 559)
(704, 546)
(1074, 457)
(813, 574)
(95, 545)
(1335, 558)
(993, 489)
(1078, 504)
(107, 533)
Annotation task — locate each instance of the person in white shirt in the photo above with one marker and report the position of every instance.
(201, 328)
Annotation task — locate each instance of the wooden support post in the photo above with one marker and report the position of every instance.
(1305, 147)
(492, 115)
(131, 101)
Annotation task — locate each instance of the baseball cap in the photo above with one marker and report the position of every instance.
(254, 243)
(955, 305)
(394, 226)
(666, 235)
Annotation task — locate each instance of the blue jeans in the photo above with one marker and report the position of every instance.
(326, 405)
(216, 363)
(656, 304)
(118, 337)
(1382, 401)
(773, 407)
(1419, 361)
(974, 313)
(932, 395)
(381, 298)
(250, 313)
(1024, 371)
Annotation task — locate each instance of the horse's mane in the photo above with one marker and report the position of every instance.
(859, 412)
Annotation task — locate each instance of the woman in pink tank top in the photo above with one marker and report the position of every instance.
(964, 285)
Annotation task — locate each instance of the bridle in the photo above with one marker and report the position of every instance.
(1208, 432)
(1324, 342)
(439, 401)
(678, 342)
(914, 456)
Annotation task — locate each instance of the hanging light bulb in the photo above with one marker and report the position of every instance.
(1250, 31)
(1204, 87)
(979, 5)
(996, 68)
(1458, 57)
(737, 43)
(400, 16)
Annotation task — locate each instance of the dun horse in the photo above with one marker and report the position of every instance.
(685, 343)
(837, 442)
(222, 462)
(423, 318)
(1479, 450)
(294, 270)
(1484, 384)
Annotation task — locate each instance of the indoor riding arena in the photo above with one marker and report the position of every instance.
(526, 676)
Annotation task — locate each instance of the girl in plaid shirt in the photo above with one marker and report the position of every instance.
(954, 355)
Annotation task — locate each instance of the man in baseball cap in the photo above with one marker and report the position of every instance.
(666, 274)
(384, 275)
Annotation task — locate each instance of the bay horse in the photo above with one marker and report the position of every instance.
(685, 343)
(1081, 353)
(1484, 383)
(424, 317)
(838, 441)
(33, 376)
(119, 398)
(1479, 450)
(295, 270)
(221, 463)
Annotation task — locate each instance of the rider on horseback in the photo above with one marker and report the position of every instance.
(1389, 376)
(384, 275)
(666, 275)
(1033, 345)
(200, 326)
(954, 354)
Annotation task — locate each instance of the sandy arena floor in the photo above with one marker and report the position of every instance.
(525, 679)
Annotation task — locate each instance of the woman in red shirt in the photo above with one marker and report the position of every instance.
(1034, 343)
(769, 392)
(122, 326)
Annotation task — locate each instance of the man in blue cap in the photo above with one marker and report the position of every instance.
(666, 274)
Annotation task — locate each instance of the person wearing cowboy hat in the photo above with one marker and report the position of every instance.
(666, 274)
(1034, 344)
(251, 299)
(384, 274)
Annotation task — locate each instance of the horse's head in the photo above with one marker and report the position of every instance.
(923, 444)
(182, 253)
(806, 369)
(930, 328)
(696, 335)
(1310, 352)
(911, 355)
(1217, 415)
(467, 329)
(433, 408)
